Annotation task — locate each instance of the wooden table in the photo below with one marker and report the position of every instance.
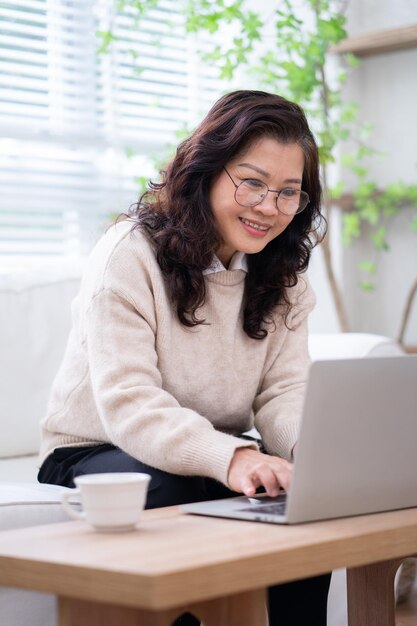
(217, 569)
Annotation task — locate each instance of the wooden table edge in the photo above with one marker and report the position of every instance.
(205, 582)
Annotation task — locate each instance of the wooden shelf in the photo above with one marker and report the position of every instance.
(379, 42)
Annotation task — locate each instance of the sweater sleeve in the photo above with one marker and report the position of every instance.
(137, 414)
(278, 404)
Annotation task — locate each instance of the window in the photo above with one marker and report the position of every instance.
(77, 128)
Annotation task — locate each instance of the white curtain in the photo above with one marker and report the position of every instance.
(78, 128)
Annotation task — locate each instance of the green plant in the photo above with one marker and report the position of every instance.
(289, 51)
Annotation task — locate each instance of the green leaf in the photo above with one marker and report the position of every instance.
(352, 60)
(364, 151)
(331, 30)
(359, 170)
(342, 76)
(379, 239)
(337, 190)
(107, 38)
(227, 69)
(396, 191)
(412, 194)
(367, 266)
(365, 131)
(369, 212)
(367, 285)
(142, 183)
(347, 159)
(351, 227)
(252, 25)
(342, 134)
(364, 191)
(141, 6)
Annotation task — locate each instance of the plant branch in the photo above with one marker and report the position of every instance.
(326, 245)
(407, 312)
(334, 287)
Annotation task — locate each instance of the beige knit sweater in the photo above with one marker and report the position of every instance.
(173, 397)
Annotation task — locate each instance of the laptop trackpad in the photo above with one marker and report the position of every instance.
(266, 505)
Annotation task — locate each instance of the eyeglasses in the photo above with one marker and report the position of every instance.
(252, 191)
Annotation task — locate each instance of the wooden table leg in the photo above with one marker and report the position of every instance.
(370, 592)
(244, 609)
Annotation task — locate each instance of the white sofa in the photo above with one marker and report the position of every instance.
(34, 323)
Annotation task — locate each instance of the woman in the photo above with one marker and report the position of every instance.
(191, 325)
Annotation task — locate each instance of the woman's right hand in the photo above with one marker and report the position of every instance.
(250, 469)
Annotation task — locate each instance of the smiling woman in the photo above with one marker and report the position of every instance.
(241, 129)
(191, 326)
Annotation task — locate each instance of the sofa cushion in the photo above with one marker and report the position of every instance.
(35, 321)
(27, 504)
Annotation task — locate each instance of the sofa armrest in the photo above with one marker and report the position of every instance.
(351, 345)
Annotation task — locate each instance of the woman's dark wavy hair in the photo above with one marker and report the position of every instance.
(177, 215)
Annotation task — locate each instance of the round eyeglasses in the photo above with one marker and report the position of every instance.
(252, 191)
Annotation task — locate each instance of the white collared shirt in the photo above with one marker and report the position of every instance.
(237, 262)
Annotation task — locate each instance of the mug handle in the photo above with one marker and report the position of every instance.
(68, 507)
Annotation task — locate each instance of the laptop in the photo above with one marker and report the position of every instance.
(357, 448)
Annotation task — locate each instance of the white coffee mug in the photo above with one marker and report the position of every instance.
(111, 502)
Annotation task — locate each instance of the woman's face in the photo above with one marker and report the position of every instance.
(250, 229)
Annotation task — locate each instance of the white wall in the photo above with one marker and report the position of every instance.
(385, 87)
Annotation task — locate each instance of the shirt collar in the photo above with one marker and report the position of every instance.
(238, 261)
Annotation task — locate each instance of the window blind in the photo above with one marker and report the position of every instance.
(70, 120)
